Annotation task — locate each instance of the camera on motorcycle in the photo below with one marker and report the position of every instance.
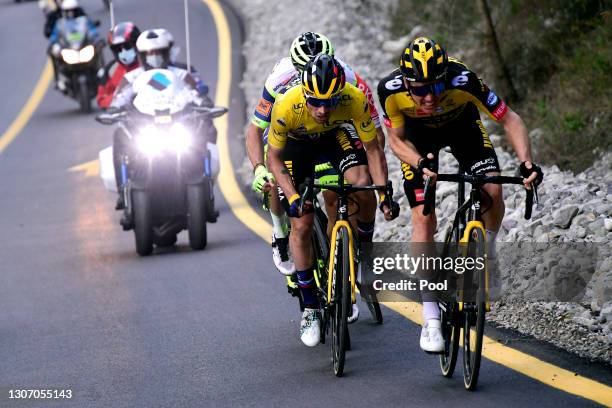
(109, 118)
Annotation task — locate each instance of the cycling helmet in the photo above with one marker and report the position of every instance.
(69, 8)
(122, 41)
(323, 77)
(423, 60)
(153, 49)
(306, 46)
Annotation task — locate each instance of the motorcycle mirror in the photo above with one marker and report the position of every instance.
(213, 112)
(107, 118)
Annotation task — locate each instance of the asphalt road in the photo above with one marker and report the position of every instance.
(80, 310)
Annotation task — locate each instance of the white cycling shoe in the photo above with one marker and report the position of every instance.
(354, 314)
(310, 327)
(280, 255)
(431, 337)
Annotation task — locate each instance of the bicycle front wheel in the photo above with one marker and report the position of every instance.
(341, 301)
(474, 316)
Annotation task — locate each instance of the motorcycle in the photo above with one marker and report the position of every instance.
(79, 57)
(168, 169)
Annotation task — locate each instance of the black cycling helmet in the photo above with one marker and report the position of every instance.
(323, 77)
(423, 60)
(307, 45)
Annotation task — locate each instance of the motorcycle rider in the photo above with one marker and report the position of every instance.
(53, 13)
(69, 10)
(154, 53)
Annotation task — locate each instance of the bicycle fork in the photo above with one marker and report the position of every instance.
(333, 250)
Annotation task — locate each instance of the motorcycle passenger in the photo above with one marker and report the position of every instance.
(69, 10)
(122, 42)
(153, 53)
(309, 120)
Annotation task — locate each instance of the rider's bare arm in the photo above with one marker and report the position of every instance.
(377, 163)
(402, 148)
(516, 133)
(254, 144)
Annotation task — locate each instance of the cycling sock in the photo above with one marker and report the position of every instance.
(279, 225)
(491, 247)
(306, 283)
(431, 311)
(365, 231)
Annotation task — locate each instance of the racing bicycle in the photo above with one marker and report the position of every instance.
(466, 237)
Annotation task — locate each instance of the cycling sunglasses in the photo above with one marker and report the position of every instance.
(122, 46)
(328, 103)
(435, 89)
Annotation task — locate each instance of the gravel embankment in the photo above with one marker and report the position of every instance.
(573, 208)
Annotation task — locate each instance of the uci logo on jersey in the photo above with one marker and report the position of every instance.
(491, 98)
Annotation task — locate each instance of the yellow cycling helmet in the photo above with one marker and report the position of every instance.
(423, 60)
(323, 78)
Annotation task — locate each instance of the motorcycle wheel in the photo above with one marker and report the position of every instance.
(197, 199)
(143, 230)
(84, 98)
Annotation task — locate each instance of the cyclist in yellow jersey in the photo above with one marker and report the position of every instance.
(321, 117)
(433, 101)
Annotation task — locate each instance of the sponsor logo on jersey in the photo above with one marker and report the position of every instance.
(394, 84)
(297, 107)
(366, 126)
(407, 170)
(281, 121)
(491, 99)
(343, 141)
(500, 111)
(264, 107)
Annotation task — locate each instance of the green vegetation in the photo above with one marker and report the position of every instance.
(559, 56)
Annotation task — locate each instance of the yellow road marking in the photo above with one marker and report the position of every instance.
(227, 179)
(91, 168)
(28, 109)
(523, 363)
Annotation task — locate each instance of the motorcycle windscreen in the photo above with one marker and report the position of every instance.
(159, 90)
(74, 32)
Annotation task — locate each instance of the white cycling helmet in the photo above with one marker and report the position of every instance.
(69, 4)
(153, 49)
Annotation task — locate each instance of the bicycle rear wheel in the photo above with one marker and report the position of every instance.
(474, 312)
(341, 301)
(451, 332)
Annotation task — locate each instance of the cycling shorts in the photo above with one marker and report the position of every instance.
(469, 143)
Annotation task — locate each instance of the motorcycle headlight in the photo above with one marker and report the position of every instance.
(70, 56)
(180, 138)
(150, 141)
(87, 53)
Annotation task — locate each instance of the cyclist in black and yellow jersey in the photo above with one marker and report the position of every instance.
(323, 119)
(432, 101)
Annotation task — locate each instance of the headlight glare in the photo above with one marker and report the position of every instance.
(87, 53)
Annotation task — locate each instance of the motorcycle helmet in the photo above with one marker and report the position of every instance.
(323, 78)
(423, 60)
(122, 41)
(153, 50)
(307, 45)
(69, 8)
(174, 51)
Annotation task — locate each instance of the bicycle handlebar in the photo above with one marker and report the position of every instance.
(307, 188)
(478, 180)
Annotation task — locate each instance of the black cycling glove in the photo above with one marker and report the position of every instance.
(427, 163)
(525, 172)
